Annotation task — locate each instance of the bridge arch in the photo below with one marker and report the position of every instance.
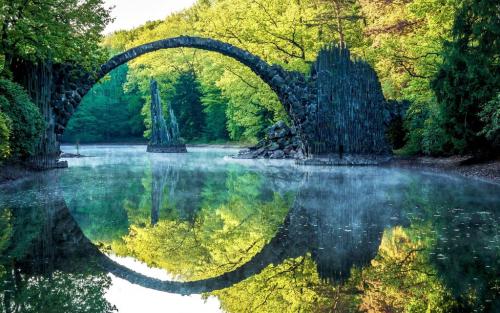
(290, 87)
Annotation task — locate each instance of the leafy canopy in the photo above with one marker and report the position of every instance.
(58, 30)
(22, 117)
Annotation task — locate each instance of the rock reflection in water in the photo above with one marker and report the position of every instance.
(345, 227)
(163, 175)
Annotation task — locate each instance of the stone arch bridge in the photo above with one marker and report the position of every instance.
(353, 101)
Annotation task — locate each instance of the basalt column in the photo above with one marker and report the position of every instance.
(350, 113)
(164, 135)
(39, 82)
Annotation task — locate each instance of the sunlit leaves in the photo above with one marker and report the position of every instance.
(401, 278)
(219, 240)
(57, 30)
(292, 286)
(63, 292)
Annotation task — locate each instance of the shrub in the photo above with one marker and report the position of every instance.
(490, 116)
(26, 120)
(5, 130)
(435, 140)
(425, 132)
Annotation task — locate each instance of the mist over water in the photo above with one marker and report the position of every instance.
(245, 231)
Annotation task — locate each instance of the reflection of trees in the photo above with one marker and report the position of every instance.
(97, 199)
(478, 287)
(400, 246)
(466, 243)
(43, 268)
(169, 192)
(231, 225)
(401, 278)
(347, 226)
(446, 261)
(328, 230)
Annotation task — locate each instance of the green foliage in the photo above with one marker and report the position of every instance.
(401, 277)
(406, 42)
(187, 106)
(215, 105)
(26, 120)
(453, 43)
(64, 292)
(284, 32)
(470, 75)
(70, 292)
(5, 130)
(405, 46)
(490, 116)
(217, 234)
(291, 286)
(57, 30)
(425, 134)
(403, 40)
(6, 229)
(108, 113)
(100, 212)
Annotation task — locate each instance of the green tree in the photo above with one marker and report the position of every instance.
(187, 106)
(5, 129)
(490, 116)
(54, 31)
(405, 42)
(58, 30)
(108, 113)
(60, 291)
(63, 292)
(470, 75)
(285, 32)
(215, 105)
(26, 120)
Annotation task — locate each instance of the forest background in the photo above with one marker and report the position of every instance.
(440, 56)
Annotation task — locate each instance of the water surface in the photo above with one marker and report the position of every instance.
(200, 232)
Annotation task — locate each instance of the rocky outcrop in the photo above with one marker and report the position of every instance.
(44, 82)
(281, 142)
(350, 112)
(165, 136)
(347, 160)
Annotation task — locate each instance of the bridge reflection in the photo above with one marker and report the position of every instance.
(334, 224)
(336, 220)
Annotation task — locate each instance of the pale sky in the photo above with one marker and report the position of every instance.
(130, 298)
(131, 13)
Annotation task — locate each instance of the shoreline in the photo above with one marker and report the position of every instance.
(487, 171)
(15, 173)
(194, 145)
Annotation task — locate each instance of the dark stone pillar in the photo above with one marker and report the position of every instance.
(38, 80)
(164, 135)
(350, 113)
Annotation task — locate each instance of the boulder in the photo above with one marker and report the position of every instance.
(281, 142)
(273, 146)
(278, 154)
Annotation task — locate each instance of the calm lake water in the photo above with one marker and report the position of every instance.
(200, 232)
